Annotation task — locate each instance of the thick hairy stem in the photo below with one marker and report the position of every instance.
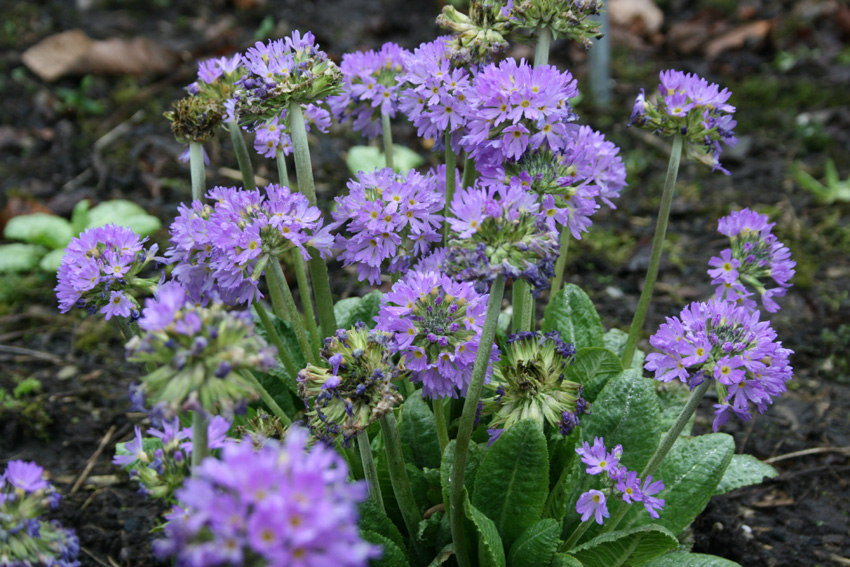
(469, 173)
(369, 468)
(197, 170)
(282, 171)
(541, 50)
(282, 351)
(388, 139)
(451, 172)
(266, 397)
(442, 424)
(306, 301)
(242, 156)
(561, 263)
(279, 281)
(523, 306)
(200, 440)
(573, 539)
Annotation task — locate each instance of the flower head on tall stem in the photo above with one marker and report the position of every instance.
(567, 19)
(436, 324)
(272, 136)
(755, 255)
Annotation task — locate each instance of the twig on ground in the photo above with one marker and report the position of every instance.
(40, 355)
(805, 452)
(90, 464)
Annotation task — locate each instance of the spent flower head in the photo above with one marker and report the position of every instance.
(357, 387)
(479, 36)
(436, 324)
(201, 351)
(280, 505)
(564, 18)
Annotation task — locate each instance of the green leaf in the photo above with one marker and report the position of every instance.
(392, 556)
(369, 158)
(418, 429)
(691, 472)
(123, 213)
(491, 553)
(632, 547)
(280, 387)
(287, 336)
(473, 461)
(684, 559)
(513, 481)
(52, 260)
(80, 217)
(39, 228)
(20, 257)
(350, 310)
(572, 313)
(537, 545)
(443, 556)
(626, 413)
(564, 560)
(672, 397)
(615, 341)
(744, 470)
(593, 367)
(373, 519)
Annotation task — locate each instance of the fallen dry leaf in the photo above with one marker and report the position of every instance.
(74, 53)
(642, 14)
(753, 33)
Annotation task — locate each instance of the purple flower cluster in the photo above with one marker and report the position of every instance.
(727, 342)
(162, 464)
(25, 538)
(498, 231)
(599, 460)
(435, 94)
(755, 254)
(515, 107)
(209, 73)
(272, 135)
(279, 505)
(691, 106)
(221, 250)
(370, 88)
(436, 324)
(388, 216)
(99, 272)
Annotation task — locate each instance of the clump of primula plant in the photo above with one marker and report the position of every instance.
(417, 372)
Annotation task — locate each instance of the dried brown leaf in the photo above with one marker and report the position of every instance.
(643, 15)
(748, 34)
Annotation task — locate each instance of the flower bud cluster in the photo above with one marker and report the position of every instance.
(25, 538)
(370, 88)
(200, 351)
(599, 460)
(691, 106)
(755, 254)
(99, 272)
(477, 37)
(529, 383)
(436, 324)
(565, 18)
(357, 387)
(727, 342)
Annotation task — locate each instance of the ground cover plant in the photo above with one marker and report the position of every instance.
(449, 422)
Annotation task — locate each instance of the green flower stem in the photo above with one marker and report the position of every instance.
(131, 329)
(523, 305)
(451, 172)
(579, 531)
(282, 172)
(196, 167)
(467, 420)
(304, 172)
(282, 351)
(561, 263)
(666, 444)
(306, 301)
(388, 139)
(278, 304)
(541, 50)
(442, 424)
(401, 484)
(469, 173)
(369, 468)
(278, 282)
(657, 246)
(200, 439)
(266, 397)
(242, 156)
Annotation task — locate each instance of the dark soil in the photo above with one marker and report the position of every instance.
(791, 89)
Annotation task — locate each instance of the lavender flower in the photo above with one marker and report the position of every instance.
(691, 106)
(370, 88)
(200, 350)
(25, 538)
(99, 272)
(436, 324)
(279, 505)
(388, 216)
(727, 342)
(356, 390)
(592, 503)
(529, 383)
(273, 135)
(755, 254)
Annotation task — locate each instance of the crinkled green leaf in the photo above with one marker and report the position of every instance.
(374, 519)
(443, 556)
(513, 480)
(350, 310)
(615, 341)
(684, 559)
(52, 260)
(593, 367)
(744, 470)
(392, 556)
(491, 553)
(537, 545)
(565, 560)
(418, 429)
(39, 228)
(80, 216)
(369, 158)
(571, 312)
(20, 257)
(473, 461)
(672, 397)
(632, 547)
(123, 213)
